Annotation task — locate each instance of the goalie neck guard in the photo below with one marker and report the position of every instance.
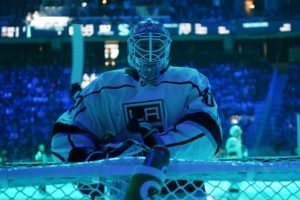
(149, 48)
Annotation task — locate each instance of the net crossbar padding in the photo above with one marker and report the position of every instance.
(254, 178)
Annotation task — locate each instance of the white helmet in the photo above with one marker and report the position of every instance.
(149, 48)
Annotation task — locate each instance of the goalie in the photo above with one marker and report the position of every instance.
(128, 111)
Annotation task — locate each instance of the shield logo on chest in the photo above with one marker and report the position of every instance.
(147, 111)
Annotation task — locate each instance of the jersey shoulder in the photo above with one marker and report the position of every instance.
(112, 78)
(186, 74)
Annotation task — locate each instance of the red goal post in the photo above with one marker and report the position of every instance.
(254, 178)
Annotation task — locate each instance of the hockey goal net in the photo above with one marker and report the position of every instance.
(254, 178)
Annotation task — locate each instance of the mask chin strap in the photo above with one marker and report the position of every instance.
(145, 82)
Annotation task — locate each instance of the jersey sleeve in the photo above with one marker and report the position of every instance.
(84, 112)
(78, 127)
(198, 134)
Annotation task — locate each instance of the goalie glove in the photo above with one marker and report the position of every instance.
(142, 132)
(150, 135)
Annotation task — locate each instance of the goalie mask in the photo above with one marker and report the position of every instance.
(148, 49)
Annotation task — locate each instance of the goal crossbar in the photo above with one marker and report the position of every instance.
(216, 170)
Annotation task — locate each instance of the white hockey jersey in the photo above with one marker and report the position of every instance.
(180, 105)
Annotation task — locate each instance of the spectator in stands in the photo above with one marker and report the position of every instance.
(234, 144)
(235, 150)
(41, 157)
(3, 156)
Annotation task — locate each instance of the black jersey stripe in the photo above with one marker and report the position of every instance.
(186, 141)
(81, 97)
(58, 156)
(182, 83)
(205, 120)
(66, 128)
(71, 142)
(79, 111)
(73, 130)
(167, 132)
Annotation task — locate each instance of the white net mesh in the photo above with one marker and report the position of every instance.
(256, 178)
